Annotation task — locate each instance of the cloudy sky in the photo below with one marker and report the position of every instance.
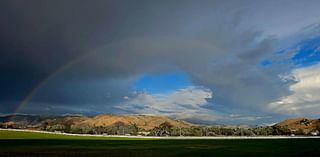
(216, 61)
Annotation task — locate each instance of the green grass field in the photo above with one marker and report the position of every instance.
(4, 134)
(16, 144)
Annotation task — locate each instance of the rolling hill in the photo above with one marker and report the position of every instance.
(304, 124)
(146, 122)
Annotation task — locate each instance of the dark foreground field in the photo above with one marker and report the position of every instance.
(33, 144)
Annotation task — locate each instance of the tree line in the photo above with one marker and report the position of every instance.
(164, 129)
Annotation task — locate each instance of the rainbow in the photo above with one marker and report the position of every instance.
(62, 68)
(38, 86)
(42, 83)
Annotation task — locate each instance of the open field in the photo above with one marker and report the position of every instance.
(29, 134)
(14, 143)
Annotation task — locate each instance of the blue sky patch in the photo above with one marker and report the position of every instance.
(308, 53)
(159, 83)
(265, 62)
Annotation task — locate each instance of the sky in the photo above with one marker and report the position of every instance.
(215, 61)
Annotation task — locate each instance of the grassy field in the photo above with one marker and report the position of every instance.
(15, 144)
(6, 134)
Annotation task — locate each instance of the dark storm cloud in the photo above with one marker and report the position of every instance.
(37, 37)
(103, 46)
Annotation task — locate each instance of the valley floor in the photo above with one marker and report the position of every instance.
(152, 137)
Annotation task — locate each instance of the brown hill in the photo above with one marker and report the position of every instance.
(142, 121)
(307, 125)
(69, 120)
(146, 122)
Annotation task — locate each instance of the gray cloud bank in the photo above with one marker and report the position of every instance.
(109, 44)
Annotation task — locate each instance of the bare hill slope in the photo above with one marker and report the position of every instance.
(142, 121)
(305, 124)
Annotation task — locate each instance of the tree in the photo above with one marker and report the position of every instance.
(132, 129)
(215, 130)
(197, 131)
(244, 132)
(82, 129)
(263, 131)
(162, 130)
(119, 128)
(281, 130)
(56, 127)
(227, 131)
(300, 132)
(318, 125)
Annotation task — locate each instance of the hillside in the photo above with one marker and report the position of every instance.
(146, 122)
(153, 125)
(307, 125)
(142, 121)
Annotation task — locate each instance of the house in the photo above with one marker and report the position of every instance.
(144, 133)
(315, 133)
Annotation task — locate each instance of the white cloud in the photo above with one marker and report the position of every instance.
(125, 97)
(305, 97)
(183, 103)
